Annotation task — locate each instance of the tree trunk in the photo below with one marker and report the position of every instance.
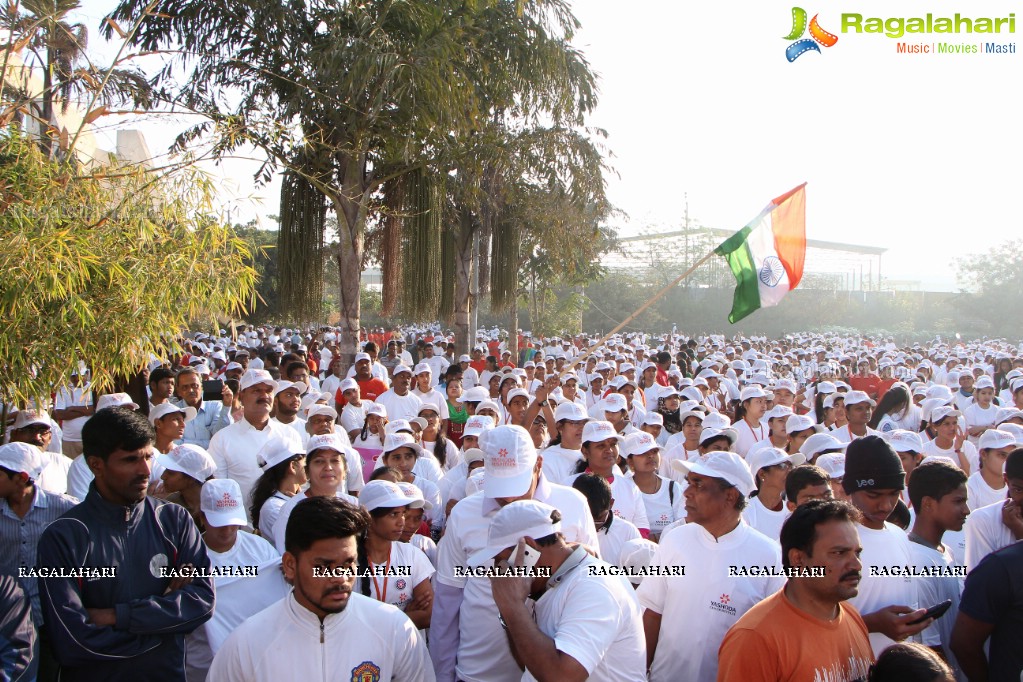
(351, 223)
(513, 330)
(464, 267)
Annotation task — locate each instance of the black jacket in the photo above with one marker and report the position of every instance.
(148, 640)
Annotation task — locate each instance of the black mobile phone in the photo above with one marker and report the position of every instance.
(212, 389)
(936, 611)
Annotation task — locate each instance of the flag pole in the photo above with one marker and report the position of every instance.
(592, 349)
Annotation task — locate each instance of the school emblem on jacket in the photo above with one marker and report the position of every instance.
(366, 671)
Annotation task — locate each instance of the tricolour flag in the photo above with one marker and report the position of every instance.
(767, 255)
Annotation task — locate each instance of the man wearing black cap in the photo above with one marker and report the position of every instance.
(874, 479)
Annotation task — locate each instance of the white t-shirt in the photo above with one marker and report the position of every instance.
(426, 545)
(969, 451)
(665, 506)
(884, 548)
(748, 437)
(387, 646)
(613, 538)
(483, 651)
(397, 590)
(975, 415)
(400, 406)
(434, 398)
(933, 590)
(767, 521)
(596, 620)
(54, 478)
(845, 434)
(981, 494)
(270, 512)
(705, 595)
(628, 501)
(73, 397)
(79, 477)
(559, 464)
(985, 533)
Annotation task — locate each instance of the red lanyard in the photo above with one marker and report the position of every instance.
(382, 596)
(755, 439)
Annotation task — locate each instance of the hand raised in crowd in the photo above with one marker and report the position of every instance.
(1012, 517)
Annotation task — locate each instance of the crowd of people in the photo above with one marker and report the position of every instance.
(652, 507)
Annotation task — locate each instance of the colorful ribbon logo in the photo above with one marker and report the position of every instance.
(818, 36)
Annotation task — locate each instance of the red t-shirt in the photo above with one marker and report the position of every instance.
(370, 389)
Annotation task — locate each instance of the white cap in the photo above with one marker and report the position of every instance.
(726, 465)
(381, 493)
(326, 441)
(819, 442)
(857, 397)
(983, 382)
(833, 463)
(474, 483)
(26, 418)
(191, 460)
(716, 420)
(1016, 430)
(653, 419)
(163, 409)
(285, 385)
(464, 358)
(766, 457)
(422, 368)
(376, 409)
(255, 377)
(754, 391)
(473, 455)
(517, 393)
(401, 369)
(509, 461)
(826, 388)
(317, 410)
(221, 502)
(902, 440)
(637, 554)
(614, 402)
(996, 439)
(799, 422)
(596, 431)
(22, 458)
(474, 426)
(520, 519)
(1004, 414)
(398, 425)
(348, 384)
(275, 451)
(359, 357)
(570, 411)
(115, 400)
(785, 384)
(779, 411)
(488, 405)
(709, 433)
(395, 441)
(476, 394)
(638, 443)
(413, 495)
(942, 411)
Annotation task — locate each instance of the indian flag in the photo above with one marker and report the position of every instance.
(767, 255)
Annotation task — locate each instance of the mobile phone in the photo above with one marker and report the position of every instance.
(936, 611)
(212, 389)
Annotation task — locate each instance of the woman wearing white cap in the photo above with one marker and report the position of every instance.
(434, 441)
(766, 510)
(391, 571)
(895, 411)
(457, 411)
(980, 416)
(684, 445)
(414, 521)
(186, 468)
(751, 409)
(950, 440)
(834, 411)
(600, 454)
(370, 441)
(777, 418)
(169, 422)
(283, 478)
(662, 497)
(401, 452)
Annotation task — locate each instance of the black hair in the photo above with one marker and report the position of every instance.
(440, 448)
(895, 400)
(800, 530)
(597, 492)
(740, 500)
(114, 428)
(548, 540)
(159, 374)
(900, 515)
(360, 543)
(292, 366)
(341, 457)
(382, 471)
(803, 477)
(1014, 464)
(818, 407)
(909, 662)
(934, 479)
(267, 485)
(322, 518)
(740, 410)
(370, 346)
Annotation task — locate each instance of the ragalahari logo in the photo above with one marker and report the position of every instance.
(803, 45)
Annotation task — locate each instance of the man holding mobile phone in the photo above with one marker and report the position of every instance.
(210, 415)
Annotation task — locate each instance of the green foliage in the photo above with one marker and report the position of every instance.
(105, 268)
(993, 287)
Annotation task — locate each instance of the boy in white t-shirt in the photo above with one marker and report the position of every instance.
(987, 484)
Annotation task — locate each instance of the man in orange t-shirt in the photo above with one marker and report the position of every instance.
(807, 630)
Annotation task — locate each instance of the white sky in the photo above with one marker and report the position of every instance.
(916, 153)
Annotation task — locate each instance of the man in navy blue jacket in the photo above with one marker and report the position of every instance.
(110, 569)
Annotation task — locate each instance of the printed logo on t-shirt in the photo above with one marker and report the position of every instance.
(401, 584)
(367, 671)
(158, 562)
(722, 605)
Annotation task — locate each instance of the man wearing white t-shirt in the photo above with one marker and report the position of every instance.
(586, 624)
(873, 482)
(315, 623)
(466, 639)
(1000, 524)
(234, 448)
(987, 484)
(858, 410)
(398, 400)
(72, 408)
(714, 539)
